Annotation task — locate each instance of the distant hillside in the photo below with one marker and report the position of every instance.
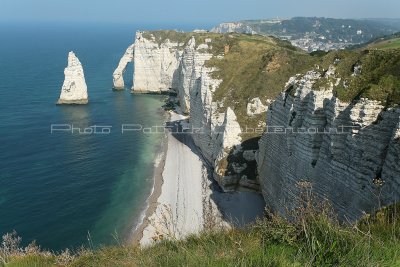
(386, 42)
(312, 34)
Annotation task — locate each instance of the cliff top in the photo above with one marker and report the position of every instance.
(260, 66)
(273, 241)
(367, 73)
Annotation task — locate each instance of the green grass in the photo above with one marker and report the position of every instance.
(379, 78)
(313, 237)
(386, 44)
(173, 36)
(255, 66)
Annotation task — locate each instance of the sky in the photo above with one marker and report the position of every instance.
(202, 12)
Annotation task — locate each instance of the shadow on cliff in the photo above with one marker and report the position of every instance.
(237, 208)
(234, 158)
(356, 169)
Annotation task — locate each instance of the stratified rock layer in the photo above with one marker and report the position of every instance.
(353, 162)
(118, 75)
(74, 89)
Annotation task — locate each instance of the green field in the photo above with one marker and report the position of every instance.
(388, 44)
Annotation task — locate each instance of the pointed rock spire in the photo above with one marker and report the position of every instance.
(74, 89)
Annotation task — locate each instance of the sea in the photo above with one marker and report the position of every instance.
(63, 184)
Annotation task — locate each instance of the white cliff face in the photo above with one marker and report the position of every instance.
(218, 135)
(74, 89)
(189, 71)
(230, 136)
(156, 65)
(353, 162)
(159, 67)
(118, 75)
(255, 107)
(229, 27)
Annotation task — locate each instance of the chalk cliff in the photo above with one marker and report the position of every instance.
(353, 160)
(156, 64)
(189, 70)
(178, 65)
(118, 75)
(74, 89)
(356, 167)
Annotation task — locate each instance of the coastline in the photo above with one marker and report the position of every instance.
(185, 199)
(158, 181)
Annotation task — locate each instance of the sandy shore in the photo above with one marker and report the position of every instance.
(185, 199)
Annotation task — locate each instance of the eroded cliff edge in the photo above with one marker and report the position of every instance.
(348, 153)
(226, 83)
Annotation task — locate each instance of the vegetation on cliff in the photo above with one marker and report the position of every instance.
(313, 237)
(258, 66)
(372, 74)
(255, 66)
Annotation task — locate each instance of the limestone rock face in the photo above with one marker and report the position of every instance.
(161, 66)
(156, 65)
(190, 70)
(349, 153)
(218, 135)
(255, 107)
(118, 75)
(74, 89)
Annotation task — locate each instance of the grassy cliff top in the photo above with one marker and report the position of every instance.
(378, 77)
(312, 238)
(173, 36)
(386, 42)
(255, 66)
(259, 66)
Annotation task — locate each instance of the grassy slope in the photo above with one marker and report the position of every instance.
(256, 66)
(379, 78)
(392, 44)
(259, 66)
(312, 239)
(386, 42)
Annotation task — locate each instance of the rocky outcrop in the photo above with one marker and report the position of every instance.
(256, 107)
(118, 75)
(218, 135)
(74, 89)
(348, 152)
(156, 65)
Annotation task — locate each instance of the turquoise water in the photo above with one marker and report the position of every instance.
(56, 188)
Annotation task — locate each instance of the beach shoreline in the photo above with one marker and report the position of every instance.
(185, 197)
(152, 201)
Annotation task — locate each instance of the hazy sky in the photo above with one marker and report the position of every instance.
(201, 12)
